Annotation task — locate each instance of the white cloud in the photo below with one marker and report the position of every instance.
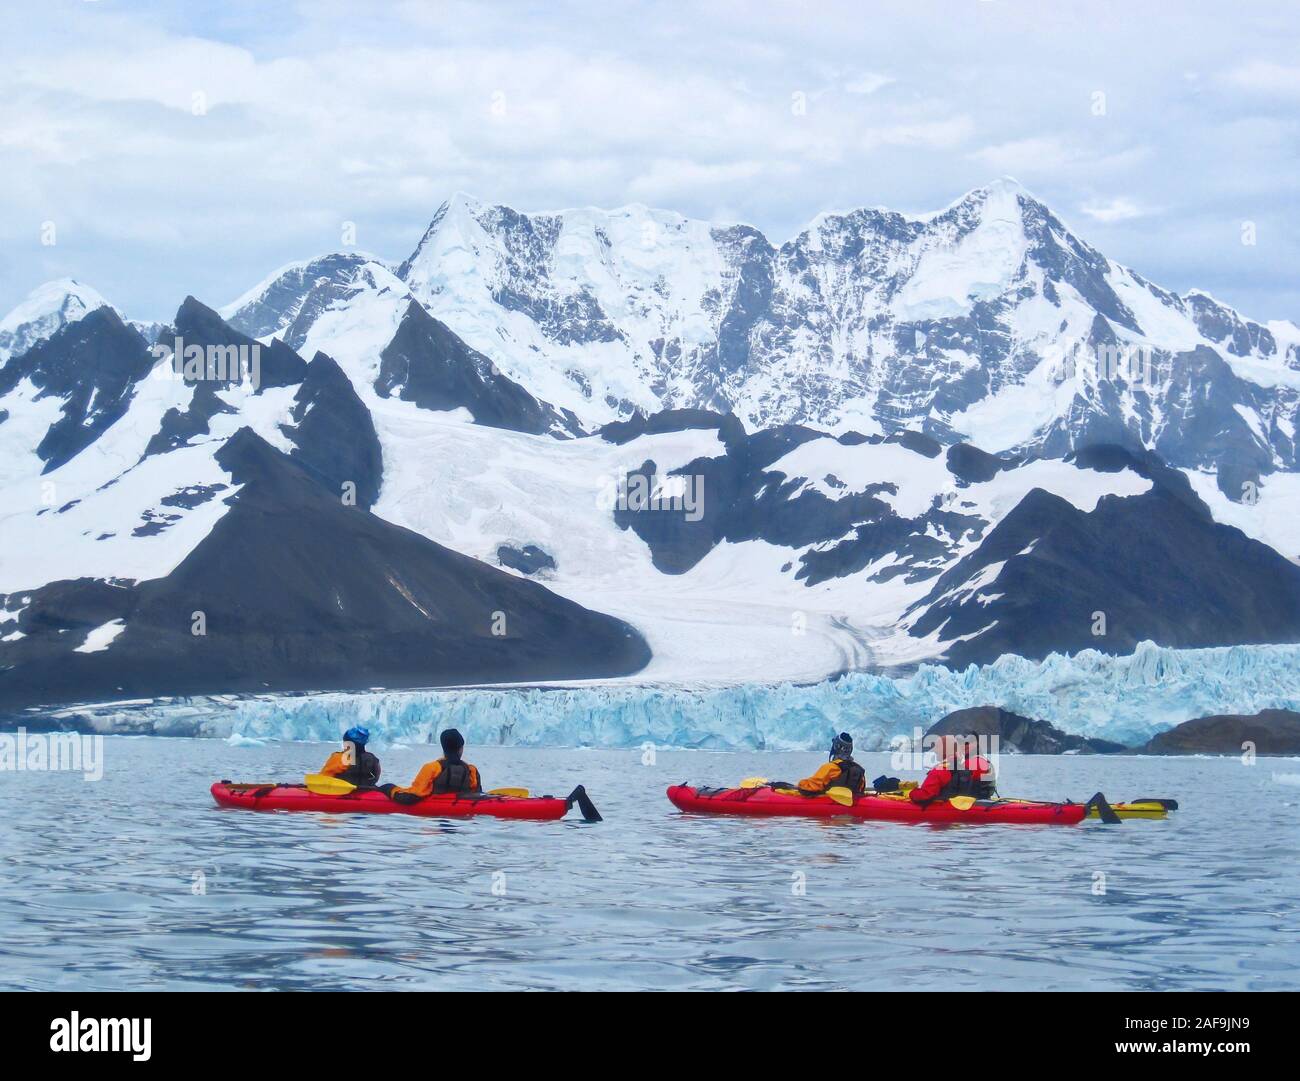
(868, 83)
(1030, 156)
(1109, 211)
(315, 116)
(667, 180)
(1263, 76)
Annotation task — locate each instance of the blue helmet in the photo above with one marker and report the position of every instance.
(358, 735)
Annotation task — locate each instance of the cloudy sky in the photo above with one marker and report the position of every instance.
(195, 146)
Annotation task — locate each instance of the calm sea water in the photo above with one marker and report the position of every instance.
(101, 885)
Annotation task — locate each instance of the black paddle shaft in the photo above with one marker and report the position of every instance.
(1104, 810)
(588, 809)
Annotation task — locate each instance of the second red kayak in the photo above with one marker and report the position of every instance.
(764, 802)
(285, 797)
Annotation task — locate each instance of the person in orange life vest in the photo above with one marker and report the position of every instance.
(354, 763)
(446, 774)
(959, 771)
(840, 772)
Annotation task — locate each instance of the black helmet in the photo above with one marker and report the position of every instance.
(842, 746)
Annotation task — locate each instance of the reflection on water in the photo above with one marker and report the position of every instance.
(140, 881)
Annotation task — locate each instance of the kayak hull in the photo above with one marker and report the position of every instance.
(283, 797)
(765, 803)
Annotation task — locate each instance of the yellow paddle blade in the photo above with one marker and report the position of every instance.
(518, 793)
(1134, 810)
(325, 785)
(752, 782)
(841, 795)
(962, 803)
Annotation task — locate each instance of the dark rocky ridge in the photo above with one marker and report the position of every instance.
(529, 559)
(333, 434)
(728, 426)
(745, 499)
(1157, 566)
(741, 501)
(970, 465)
(197, 324)
(1017, 734)
(427, 364)
(1271, 731)
(301, 592)
(94, 365)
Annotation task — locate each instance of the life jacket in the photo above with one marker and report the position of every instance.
(455, 776)
(964, 782)
(364, 771)
(852, 776)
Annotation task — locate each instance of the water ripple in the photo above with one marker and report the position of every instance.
(101, 884)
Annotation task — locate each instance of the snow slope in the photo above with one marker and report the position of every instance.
(746, 610)
(821, 550)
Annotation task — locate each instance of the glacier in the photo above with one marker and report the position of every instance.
(1125, 699)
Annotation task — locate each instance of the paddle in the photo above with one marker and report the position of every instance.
(588, 809)
(325, 785)
(517, 793)
(1139, 808)
(1104, 811)
(839, 794)
(962, 803)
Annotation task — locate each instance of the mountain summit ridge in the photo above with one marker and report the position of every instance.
(955, 323)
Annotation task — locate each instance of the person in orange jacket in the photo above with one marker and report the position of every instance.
(840, 772)
(446, 774)
(959, 771)
(354, 763)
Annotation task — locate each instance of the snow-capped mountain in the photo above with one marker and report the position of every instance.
(287, 303)
(46, 310)
(245, 507)
(988, 322)
(424, 439)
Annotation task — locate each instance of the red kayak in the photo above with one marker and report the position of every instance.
(764, 802)
(296, 797)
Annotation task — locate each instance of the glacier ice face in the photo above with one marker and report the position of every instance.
(1125, 699)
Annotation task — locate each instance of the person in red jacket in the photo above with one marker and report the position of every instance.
(959, 771)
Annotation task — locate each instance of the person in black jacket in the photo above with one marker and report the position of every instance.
(354, 763)
(446, 774)
(840, 772)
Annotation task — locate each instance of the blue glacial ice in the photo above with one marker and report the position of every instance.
(1125, 699)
